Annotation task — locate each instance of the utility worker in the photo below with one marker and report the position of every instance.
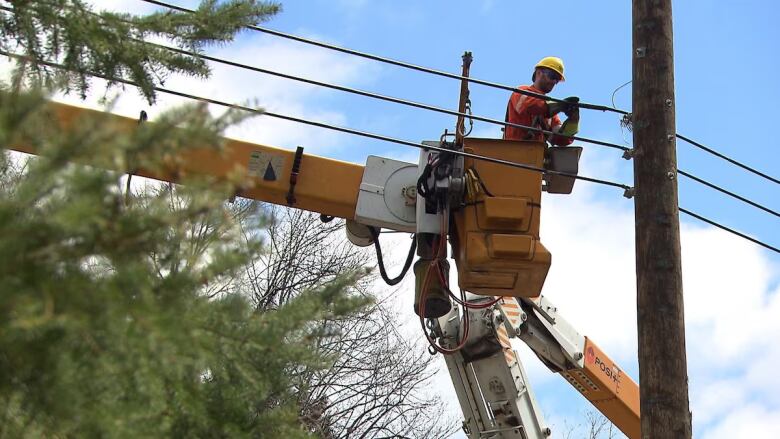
(538, 113)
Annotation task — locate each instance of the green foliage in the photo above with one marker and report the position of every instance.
(111, 44)
(106, 329)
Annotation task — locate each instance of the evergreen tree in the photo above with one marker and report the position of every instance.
(109, 44)
(106, 325)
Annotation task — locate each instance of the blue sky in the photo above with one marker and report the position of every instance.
(725, 62)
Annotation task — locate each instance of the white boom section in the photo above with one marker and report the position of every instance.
(489, 380)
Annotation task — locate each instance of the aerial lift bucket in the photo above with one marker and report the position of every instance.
(496, 236)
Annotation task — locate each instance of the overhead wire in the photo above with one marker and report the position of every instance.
(481, 82)
(720, 226)
(383, 97)
(432, 108)
(626, 122)
(471, 80)
(398, 63)
(728, 159)
(442, 110)
(616, 90)
(701, 180)
(385, 138)
(731, 194)
(628, 191)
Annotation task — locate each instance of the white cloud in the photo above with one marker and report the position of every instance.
(238, 86)
(592, 278)
(717, 399)
(745, 422)
(730, 308)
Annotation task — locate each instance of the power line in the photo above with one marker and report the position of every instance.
(449, 75)
(731, 194)
(728, 159)
(382, 97)
(400, 63)
(720, 226)
(458, 77)
(375, 95)
(699, 145)
(628, 191)
(616, 90)
(445, 74)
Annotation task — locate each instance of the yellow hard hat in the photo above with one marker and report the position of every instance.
(552, 63)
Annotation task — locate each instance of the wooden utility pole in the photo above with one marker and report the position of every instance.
(663, 376)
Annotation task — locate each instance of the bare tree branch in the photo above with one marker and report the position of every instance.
(375, 387)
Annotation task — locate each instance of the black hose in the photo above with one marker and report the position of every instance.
(381, 263)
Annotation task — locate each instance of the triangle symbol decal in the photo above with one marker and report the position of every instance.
(269, 175)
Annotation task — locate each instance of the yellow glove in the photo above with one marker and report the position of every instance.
(570, 127)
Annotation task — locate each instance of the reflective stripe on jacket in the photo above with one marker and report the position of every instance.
(531, 111)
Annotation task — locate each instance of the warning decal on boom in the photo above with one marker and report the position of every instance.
(265, 165)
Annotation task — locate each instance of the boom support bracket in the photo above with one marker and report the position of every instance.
(296, 169)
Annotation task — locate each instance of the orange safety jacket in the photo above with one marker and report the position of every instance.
(531, 111)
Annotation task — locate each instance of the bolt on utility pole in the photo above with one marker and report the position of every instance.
(663, 376)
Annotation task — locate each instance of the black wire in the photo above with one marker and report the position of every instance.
(381, 263)
(628, 189)
(404, 142)
(453, 76)
(476, 81)
(389, 139)
(720, 226)
(384, 97)
(401, 63)
(728, 159)
(376, 95)
(481, 182)
(738, 197)
(616, 90)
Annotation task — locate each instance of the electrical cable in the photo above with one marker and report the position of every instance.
(400, 63)
(720, 226)
(434, 265)
(628, 191)
(728, 159)
(481, 82)
(382, 97)
(472, 80)
(381, 263)
(731, 194)
(697, 144)
(616, 90)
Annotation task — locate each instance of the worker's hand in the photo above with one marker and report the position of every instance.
(554, 107)
(573, 113)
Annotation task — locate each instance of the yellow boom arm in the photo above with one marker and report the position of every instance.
(321, 185)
